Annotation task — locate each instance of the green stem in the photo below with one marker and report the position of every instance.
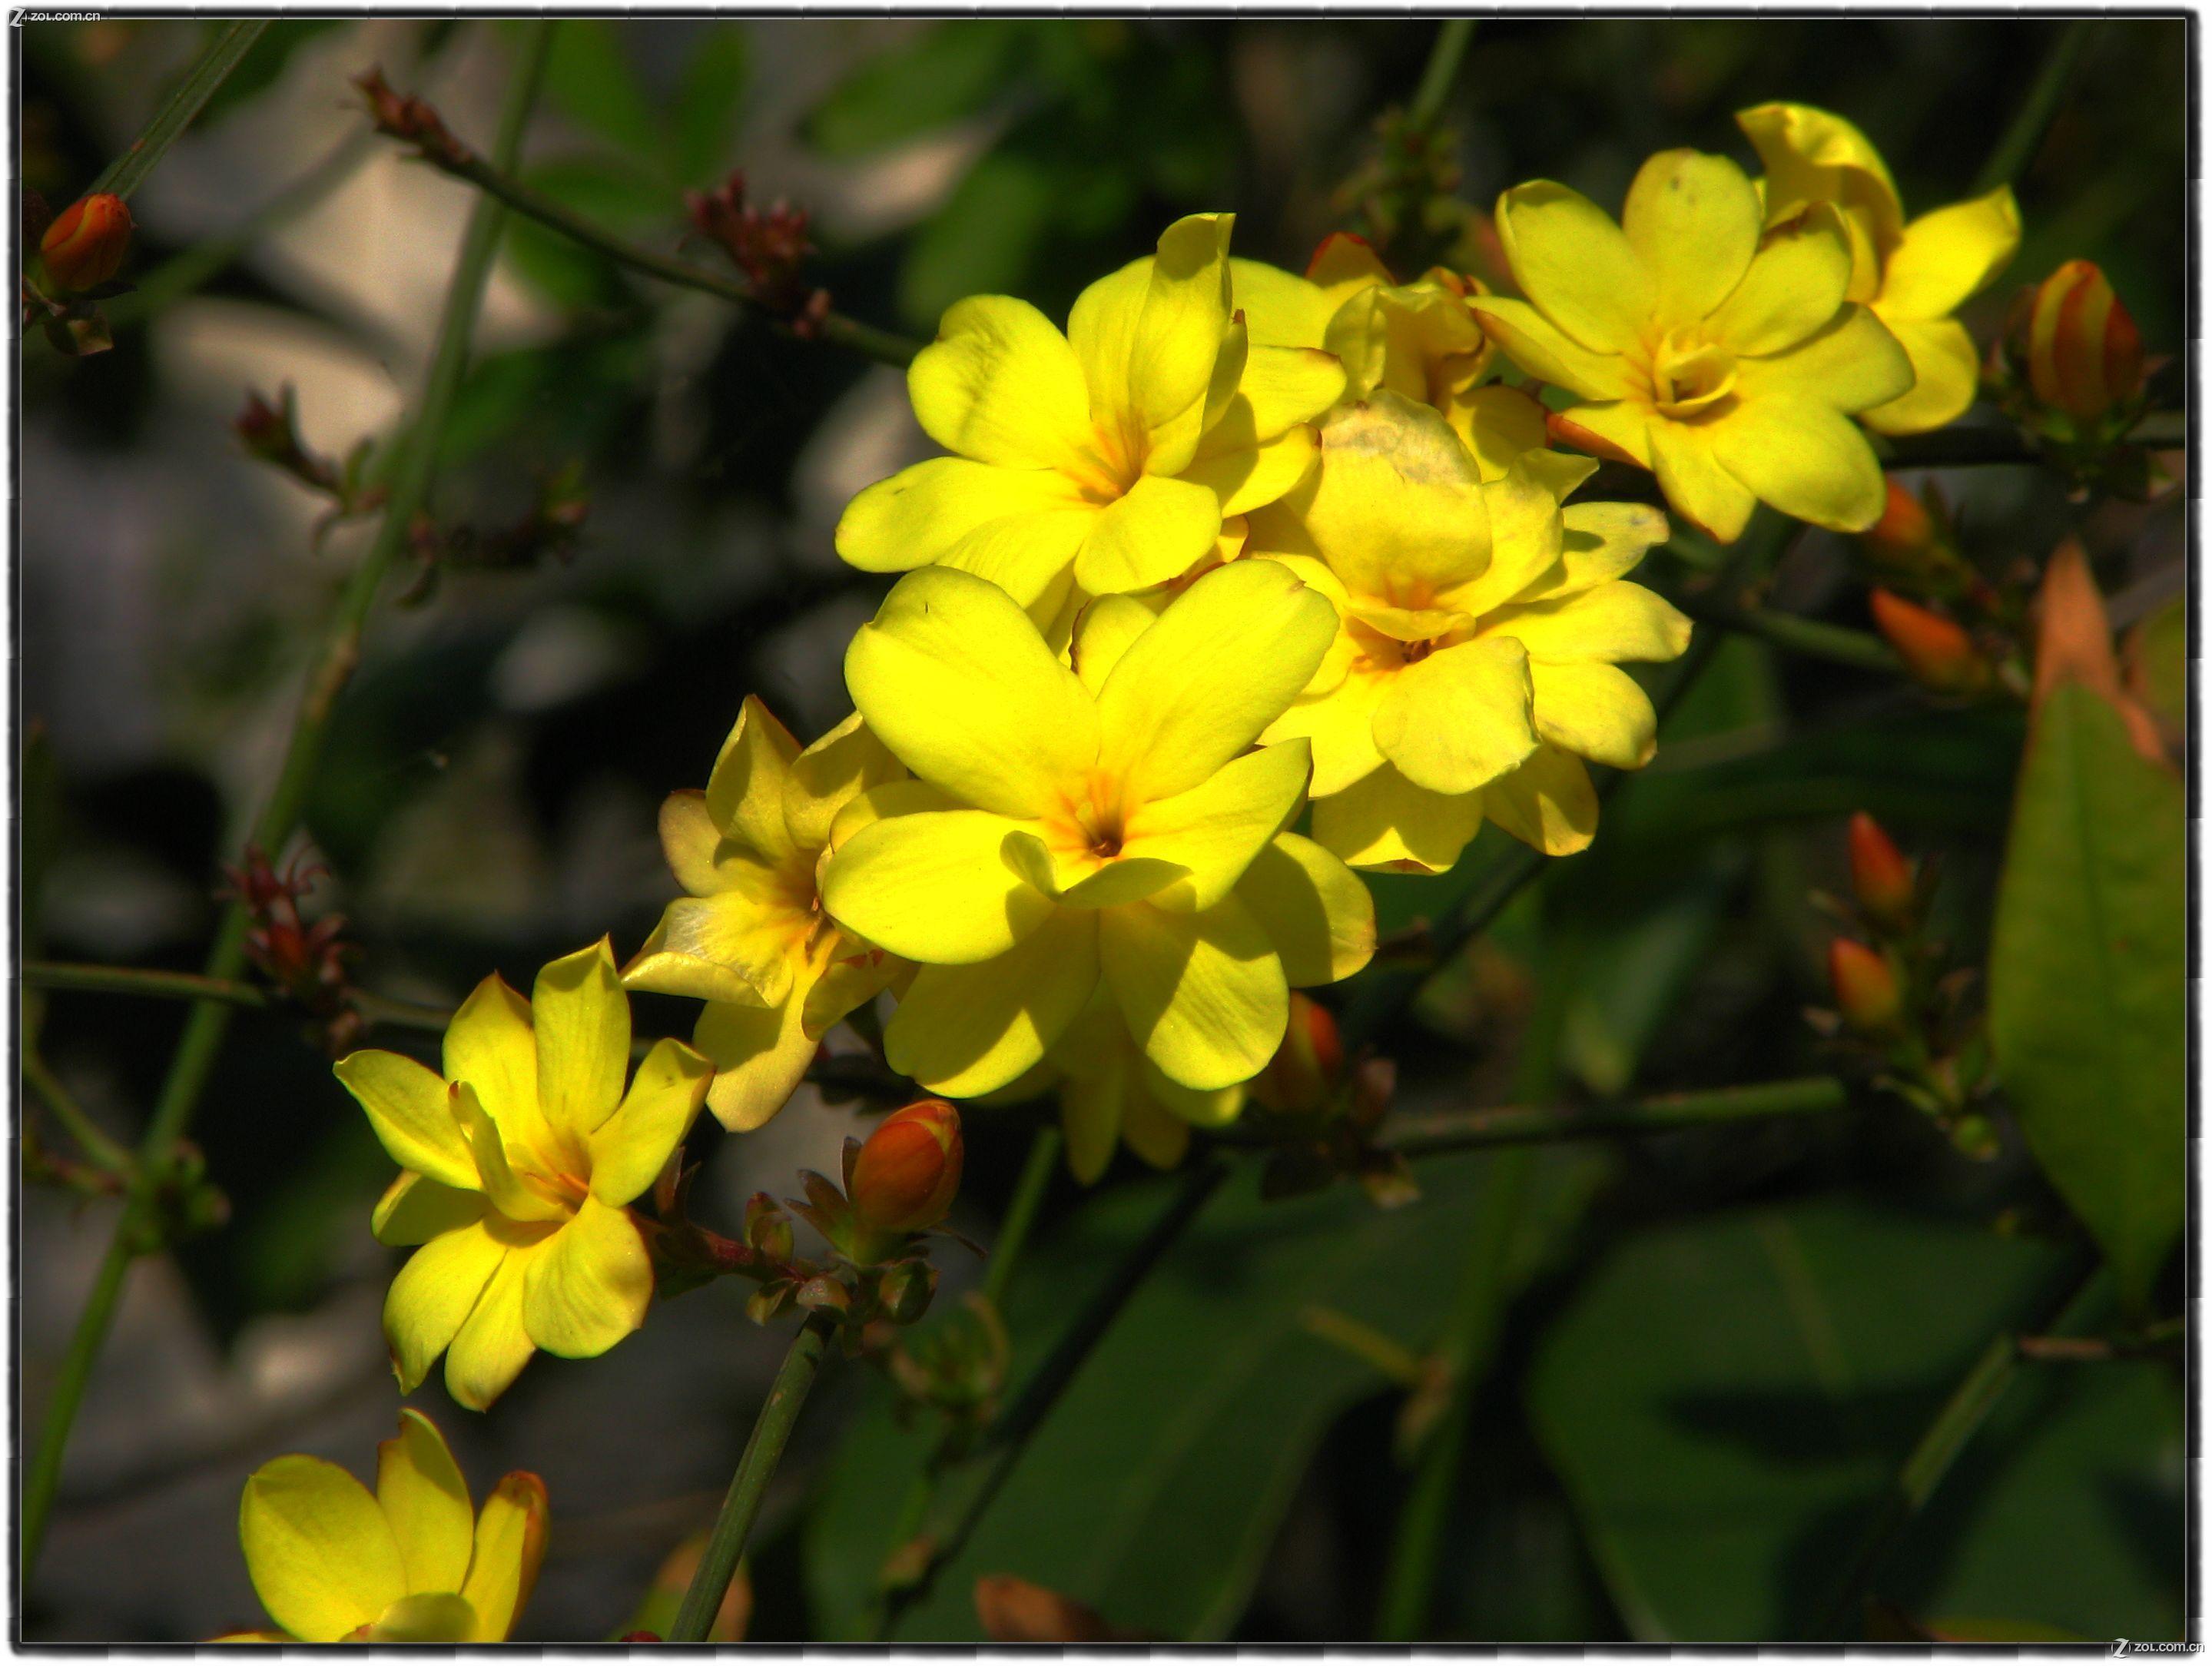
(1809, 637)
(203, 1030)
(1022, 1212)
(109, 1153)
(1429, 1136)
(140, 980)
(1932, 1455)
(710, 1582)
(128, 171)
(881, 345)
(2017, 148)
(1445, 56)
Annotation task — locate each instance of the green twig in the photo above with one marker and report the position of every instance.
(1022, 1212)
(140, 980)
(128, 171)
(1810, 637)
(203, 1030)
(717, 1565)
(1474, 1130)
(108, 1153)
(1445, 56)
(2017, 148)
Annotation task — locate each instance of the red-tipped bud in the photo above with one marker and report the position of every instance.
(1936, 651)
(905, 1176)
(2077, 345)
(1866, 988)
(1302, 1075)
(1880, 877)
(85, 245)
(1906, 532)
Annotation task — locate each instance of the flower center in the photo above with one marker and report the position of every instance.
(1689, 375)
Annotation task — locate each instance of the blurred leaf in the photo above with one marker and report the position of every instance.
(708, 104)
(588, 75)
(945, 74)
(261, 66)
(984, 241)
(1727, 1401)
(2157, 662)
(656, 1611)
(2087, 979)
(1639, 964)
(1154, 1492)
(616, 189)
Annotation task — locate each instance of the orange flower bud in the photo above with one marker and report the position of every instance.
(1906, 532)
(2084, 354)
(85, 245)
(905, 1176)
(1880, 876)
(1866, 988)
(1303, 1074)
(1936, 650)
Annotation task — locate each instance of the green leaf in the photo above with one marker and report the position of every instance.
(2087, 966)
(984, 241)
(1729, 1400)
(589, 76)
(945, 74)
(1154, 1491)
(708, 104)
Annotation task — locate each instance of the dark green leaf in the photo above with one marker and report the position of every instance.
(946, 73)
(708, 105)
(590, 77)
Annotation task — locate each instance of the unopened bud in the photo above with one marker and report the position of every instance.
(906, 1290)
(1880, 877)
(1936, 650)
(2076, 345)
(85, 245)
(1906, 532)
(1866, 988)
(905, 1176)
(1302, 1075)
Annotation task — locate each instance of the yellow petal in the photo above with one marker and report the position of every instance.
(962, 1031)
(1213, 831)
(1854, 364)
(587, 1286)
(1575, 264)
(1396, 506)
(1600, 543)
(1082, 879)
(935, 887)
(745, 793)
(510, 1545)
(736, 945)
(1805, 459)
(919, 514)
(1693, 221)
(1202, 992)
(854, 976)
(953, 677)
(1103, 634)
(1244, 480)
(1547, 352)
(1459, 718)
(420, 1489)
(1280, 309)
(1343, 265)
(759, 1055)
(434, 1294)
(414, 1210)
(1611, 621)
(1793, 288)
(1948, 255)
(1698, 488)
(1548, 802)
(690, 841)
(1498, 424)
(1001, 385)
(1813, 156)
(828, 774)
(1946, 373)
(510, 1194)
(1384, 821)
(493, 1347)
(1158, 1139)
(1618, 426)
(1314, 909)
(321, 1553)
(430, 1616)
(1149, 534)
(491, 1046)
(633, 1146)
(1596, 711)
(1526, 537)
(1225, 660)
(406, 1106)
(1281, 388)
(1091, 1117)
(1029, 557)
(1213, 1108)
(1148, 337)
(1339, 725)
(581, 1018)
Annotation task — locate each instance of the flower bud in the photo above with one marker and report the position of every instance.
(905, 1176)
(1906, 532)
(1866, 988)
(2082, 353)
(1880, 877)
(85, 245)
(1936, 650)
(1302, 1077)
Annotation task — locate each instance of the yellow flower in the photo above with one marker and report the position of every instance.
(1107, 457)
(750, 940)
(411, 1562)
(1728, 365)
(1912, 275)
(519, 1163)
(1109, 823)
(1475, 664)
(1420, 340)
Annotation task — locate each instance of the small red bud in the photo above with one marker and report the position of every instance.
(1866, 989)
(1936, 650)
(1302, 1075)
(905, 1176)
(1906, 532)
(1880, 876)
(85, 245)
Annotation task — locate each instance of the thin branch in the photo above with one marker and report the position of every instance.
(1474, 1130)
(195, 1057)
(2016, 150)
(1022, 1212)
(1811, 637)
(109, 1153)
(1445, 56)
(128, 171)
(140, 980)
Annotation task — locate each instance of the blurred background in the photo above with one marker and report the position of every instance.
(1698, 1358)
